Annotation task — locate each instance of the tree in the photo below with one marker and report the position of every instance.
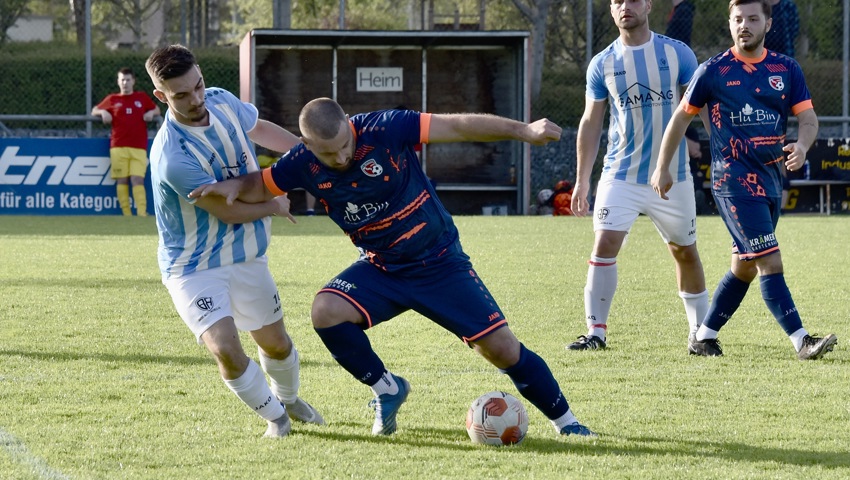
(537, 13)
(567, 37)
(10, 11)
(132, 15)
(78, 10)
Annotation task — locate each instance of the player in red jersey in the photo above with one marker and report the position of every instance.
(128, 112)
(748, 93)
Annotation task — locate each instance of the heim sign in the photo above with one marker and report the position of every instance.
(380, 79)
(58, 176)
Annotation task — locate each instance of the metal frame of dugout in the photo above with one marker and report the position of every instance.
(437, 72)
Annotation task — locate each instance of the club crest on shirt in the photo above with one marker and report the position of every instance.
(776, 83)
(371, 168)
(204, 303)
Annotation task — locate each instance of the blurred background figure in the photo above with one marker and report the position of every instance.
(784, 27)
(128, 111)
(680, 23)
(695, 154)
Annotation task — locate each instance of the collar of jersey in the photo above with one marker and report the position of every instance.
(751, 61)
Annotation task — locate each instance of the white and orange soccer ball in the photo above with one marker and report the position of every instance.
(496, 418)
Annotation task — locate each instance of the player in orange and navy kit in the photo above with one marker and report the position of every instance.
(128, 112)
(747, 93)
(365, 172)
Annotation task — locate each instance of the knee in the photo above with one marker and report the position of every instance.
(329, 310)
(745, 271)
(769, 265)
(608, 246)
(685, 255)
(503, 350)
(279, 350)
(231, 360)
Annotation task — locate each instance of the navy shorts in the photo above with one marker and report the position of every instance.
(447, 291)
(752, 223)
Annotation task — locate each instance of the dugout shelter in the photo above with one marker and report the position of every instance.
(436, 72)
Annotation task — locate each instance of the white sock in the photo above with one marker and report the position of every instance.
(797, 338)
(696, 307)
(252, 389)
(598, 294)
(385, 384)
(284, 375)
(564, 420)
(705, 333)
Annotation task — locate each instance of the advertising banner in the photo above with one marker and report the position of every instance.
(59, 176)
(829, 159)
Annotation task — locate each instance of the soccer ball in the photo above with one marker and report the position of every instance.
(544, 196)
(496, 418)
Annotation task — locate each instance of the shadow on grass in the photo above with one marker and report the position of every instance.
(117, 225)
(456, 439)
(734, 451)
(55, 357)
(123, 284)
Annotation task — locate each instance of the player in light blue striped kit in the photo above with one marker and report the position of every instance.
(212, 255)
(640, 76)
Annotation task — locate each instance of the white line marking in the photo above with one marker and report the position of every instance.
(19, 453)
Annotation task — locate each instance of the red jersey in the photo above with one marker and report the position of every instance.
(129, 128)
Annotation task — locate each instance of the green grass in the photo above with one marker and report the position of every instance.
(100, 379)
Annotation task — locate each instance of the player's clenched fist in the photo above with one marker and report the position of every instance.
(544, 131)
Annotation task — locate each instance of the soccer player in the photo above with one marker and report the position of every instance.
(212, 255)
(365, 172)
(748, 92)
(639, 76)
(128, 112)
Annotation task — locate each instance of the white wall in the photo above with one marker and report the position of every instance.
(32, 28)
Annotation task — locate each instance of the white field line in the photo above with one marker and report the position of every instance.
(20, 454)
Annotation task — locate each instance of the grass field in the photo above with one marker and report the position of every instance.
(99, 378)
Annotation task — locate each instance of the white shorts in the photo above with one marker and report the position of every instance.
(619, 203)
(245, 291)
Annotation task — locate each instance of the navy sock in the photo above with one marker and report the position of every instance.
(776, 295)
(727, 298)
(535, 382)
(349, 346)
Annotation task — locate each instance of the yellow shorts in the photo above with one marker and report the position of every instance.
(128, 162)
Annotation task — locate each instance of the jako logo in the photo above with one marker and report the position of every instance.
(28, 169)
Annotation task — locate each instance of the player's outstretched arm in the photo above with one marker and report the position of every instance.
(273, 136)
(246, 188)
(479, 127)
(661, 180)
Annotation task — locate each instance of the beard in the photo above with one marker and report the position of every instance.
(751, 44)
(199, 115)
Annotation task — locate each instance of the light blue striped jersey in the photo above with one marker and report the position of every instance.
(642, 86)
(184, 158)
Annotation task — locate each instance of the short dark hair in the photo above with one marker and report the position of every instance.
(765, 6)
(169, 62)
(127, 71)
(321, 118)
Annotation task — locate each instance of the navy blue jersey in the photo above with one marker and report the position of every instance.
(383, 202)
(748, 101)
